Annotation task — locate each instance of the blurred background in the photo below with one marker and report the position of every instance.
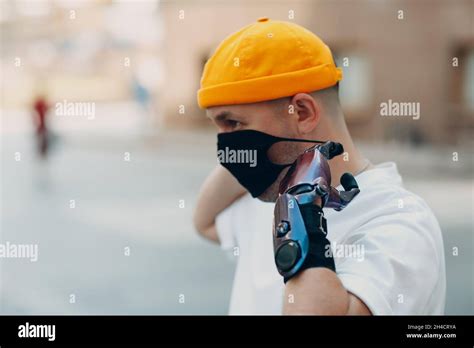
(103, 146)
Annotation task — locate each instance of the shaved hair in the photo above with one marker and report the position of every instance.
(329, 99)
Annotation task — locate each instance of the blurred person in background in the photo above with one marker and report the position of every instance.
(40, 111)
(143, 98)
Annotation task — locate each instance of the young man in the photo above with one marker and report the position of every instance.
(280, 79)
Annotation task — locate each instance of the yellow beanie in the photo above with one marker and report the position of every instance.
(267, 60)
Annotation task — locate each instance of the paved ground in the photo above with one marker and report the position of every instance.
(136, 204)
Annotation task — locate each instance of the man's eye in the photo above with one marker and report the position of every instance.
(233, 124)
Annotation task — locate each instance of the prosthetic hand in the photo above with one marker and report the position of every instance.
(299, 226)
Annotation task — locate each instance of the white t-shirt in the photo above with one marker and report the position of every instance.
(387, 244)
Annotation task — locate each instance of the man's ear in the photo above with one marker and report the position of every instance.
(308, 112)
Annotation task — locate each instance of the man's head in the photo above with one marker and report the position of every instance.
(277, 78)
(302, 116)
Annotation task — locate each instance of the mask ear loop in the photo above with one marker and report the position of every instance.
(280, 139)
(301, 140)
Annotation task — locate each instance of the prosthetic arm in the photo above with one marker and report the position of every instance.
(299, 226)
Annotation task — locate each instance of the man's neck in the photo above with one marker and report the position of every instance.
(351, 160)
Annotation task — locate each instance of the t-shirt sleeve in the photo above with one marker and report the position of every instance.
(398, 266)
(226, 223)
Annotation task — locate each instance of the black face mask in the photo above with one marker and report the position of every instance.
(244, 154)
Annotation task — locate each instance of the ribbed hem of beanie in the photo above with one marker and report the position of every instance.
(270, 87)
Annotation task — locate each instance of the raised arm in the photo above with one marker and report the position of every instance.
(219, 190)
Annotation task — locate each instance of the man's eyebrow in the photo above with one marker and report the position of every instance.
(222, 116)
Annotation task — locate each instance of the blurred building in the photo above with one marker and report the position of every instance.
(404, 51)
(114, 51)
(98, 51)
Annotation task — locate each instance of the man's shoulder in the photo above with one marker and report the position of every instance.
(388, 207)
(382, 192)
(398, 200)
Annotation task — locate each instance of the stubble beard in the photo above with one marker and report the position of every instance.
(271, 194)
